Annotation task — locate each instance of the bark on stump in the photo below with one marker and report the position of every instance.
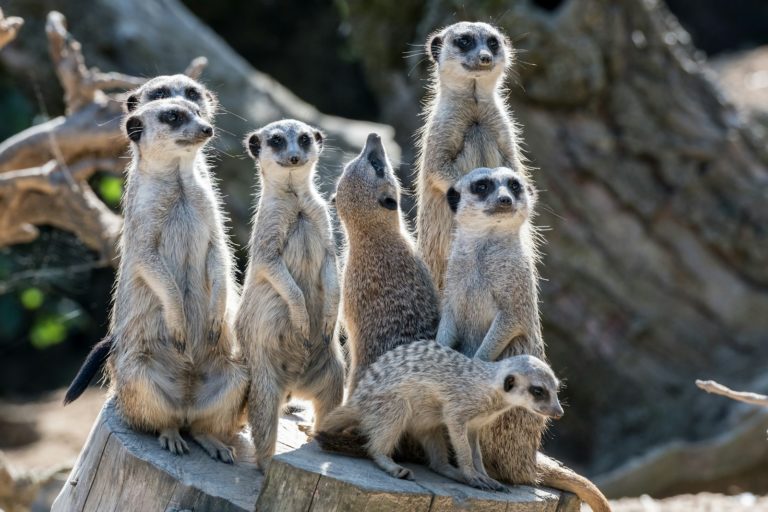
(120, 467)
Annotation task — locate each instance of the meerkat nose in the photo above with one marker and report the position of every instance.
(505, 200)
(485, 58)
(206, 130)
(294, 159)
(373, 141)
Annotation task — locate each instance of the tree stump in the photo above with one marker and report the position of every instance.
(119, 467)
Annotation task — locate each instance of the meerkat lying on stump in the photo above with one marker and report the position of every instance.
(490, 312)
(171, 351)
(388, 297)
(423, 388)
(467, 126)
(290, 300)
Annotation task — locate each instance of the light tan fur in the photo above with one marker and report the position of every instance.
(467, 126)
(424, 389)
(490, 312)
(388, 297)
(174, 363)
(290, 300)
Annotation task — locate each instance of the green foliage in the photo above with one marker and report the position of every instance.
(48, 331)
(111, 190)
(32, 298)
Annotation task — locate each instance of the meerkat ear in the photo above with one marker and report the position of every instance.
(332, 200)
(319, 139)
(253, 145)
(213, 101)
(434, 45)
(509, 383)
(131, 102)
(532, 193)
(134, 128)
(453, 196)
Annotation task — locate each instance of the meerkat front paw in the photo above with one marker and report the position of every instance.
(170, 439)
(480, 481)
(216, 448)
(401, 472)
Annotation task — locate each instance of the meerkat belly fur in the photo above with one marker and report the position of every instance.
(388, 297)
(173, 361)
(467, 126)
(490, 312)
(424, 389)
(290, 297)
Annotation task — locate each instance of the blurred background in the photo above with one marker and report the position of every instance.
(644, 120)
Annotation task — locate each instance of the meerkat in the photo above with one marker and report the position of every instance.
(423, 388)
(467, 126)
(388, 297)
(490, 312)
(289, 306)
(173, 86)
(172, 358)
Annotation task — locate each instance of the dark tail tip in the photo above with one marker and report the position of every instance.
(93, 363)
(346, 443)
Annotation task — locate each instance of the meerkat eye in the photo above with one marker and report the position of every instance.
(464, 42)
(192, 94)
(304, 140)
(509, 383)
(493, 44)
(275, 141)
(160, 93)
(515, 186)
(172, 117)
(538, 392)
(480, 187)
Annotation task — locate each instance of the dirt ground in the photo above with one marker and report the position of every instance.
(47, 435)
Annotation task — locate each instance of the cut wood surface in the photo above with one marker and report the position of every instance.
(119, 467)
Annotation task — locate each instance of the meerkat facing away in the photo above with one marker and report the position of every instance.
(467, 126)
(490, 312)
(290, 300)
(388, 297)
(423, 388)
(173, 360)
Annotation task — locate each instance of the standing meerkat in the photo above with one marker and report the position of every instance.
(490, 312)
(467, 126)
(424, 389)
(172, 356)
(388, 297)
(290, 300)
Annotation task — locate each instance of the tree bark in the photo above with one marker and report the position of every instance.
(653, 192)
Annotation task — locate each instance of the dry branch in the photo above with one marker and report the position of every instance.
(716, 388)
(44, 169)
(9, 27)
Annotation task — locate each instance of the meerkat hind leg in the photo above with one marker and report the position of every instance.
(436, 448)
(170, 439)
(460, 440)
(385, 428)
(386, 463)
(215, 448)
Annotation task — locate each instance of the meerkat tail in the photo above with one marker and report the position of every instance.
(91, 366)
(339, 432)
(554, 474)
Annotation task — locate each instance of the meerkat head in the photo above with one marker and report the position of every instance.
(529, 382)
(285, 149)
(368, 190)
(469, 50)
(168, 128)
(173, 86)
(492, 198)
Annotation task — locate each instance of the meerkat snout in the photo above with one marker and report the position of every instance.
(529, 382)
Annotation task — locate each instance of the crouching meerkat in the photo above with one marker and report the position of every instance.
(423, 389)
(388, 297)
(290, 299)
(490, 312)
(467, 126)
(172, 356)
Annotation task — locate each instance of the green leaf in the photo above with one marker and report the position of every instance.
(32, 298)
(110, 190)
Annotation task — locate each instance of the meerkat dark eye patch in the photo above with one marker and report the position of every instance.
(493, 44)
(435, 45)
(509, 383)
(538, 392)
(131, 103)
(173, 118)
(388, 203)
(253, 146)
(464, 42)
(482, 187)
(515, 187)
(134, 128)
(276, 142)
(192, 94)
(378, 166)
(159, 93)
(454, 197)
(304, 140)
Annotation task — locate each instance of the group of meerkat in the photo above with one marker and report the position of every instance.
(446, 356)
